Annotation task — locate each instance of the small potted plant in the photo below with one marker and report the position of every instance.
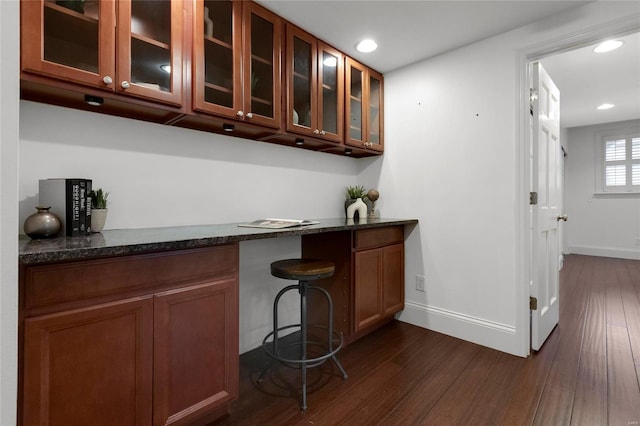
(98, 209)
(353, 194)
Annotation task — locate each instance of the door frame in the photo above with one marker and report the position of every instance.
(525, 56)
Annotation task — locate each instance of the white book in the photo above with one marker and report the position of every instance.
(278, 223)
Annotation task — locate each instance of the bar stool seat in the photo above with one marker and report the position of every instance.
(305, 271)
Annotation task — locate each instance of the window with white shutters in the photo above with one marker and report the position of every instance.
(620, 167)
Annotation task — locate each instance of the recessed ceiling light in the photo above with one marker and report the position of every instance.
(367, 46)
(605, 106)
(607, 46)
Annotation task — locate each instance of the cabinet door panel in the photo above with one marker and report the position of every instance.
(150, 36)
(195, 350)
(217, 43)
(368, 287)
(330, 95)
(301, 77)
(364, 107)
(89, 366)
(75, 42)
(355, 114)
(393, 287)
(262, 65)
(375, 116)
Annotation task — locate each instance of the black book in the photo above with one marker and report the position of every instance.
(64, 198)
(88, 203)
(82, 214)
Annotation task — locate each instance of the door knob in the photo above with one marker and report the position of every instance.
(562, 217)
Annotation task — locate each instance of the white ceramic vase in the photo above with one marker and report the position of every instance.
(98, 219)
(358, 206)
(208, 23)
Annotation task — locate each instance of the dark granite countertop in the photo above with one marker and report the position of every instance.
(118, 242)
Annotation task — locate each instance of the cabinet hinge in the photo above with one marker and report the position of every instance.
(533, 95)
(533, 303)
(533, 198)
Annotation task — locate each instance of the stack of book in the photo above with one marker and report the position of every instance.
(70, 201)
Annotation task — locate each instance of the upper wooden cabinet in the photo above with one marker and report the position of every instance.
(364, 114)
(132, 47)
(210, 65)
(237, 61)
(315, 87)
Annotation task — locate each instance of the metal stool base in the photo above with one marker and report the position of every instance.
(333, 338)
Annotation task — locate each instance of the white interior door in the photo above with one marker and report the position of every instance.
(546, 180)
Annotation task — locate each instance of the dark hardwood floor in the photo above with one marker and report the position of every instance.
(587, 372)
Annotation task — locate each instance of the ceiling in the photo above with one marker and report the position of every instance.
(410, 31)
(587, 79)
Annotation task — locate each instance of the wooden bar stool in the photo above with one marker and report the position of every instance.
(303, 270)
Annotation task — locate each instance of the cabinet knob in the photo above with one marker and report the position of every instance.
(240, 114)
(107, 80)
(249, 115)
(125, 84)
(323, 132)
(316, 132)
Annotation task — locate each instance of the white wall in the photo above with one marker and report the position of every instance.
(450, 161)
(599, 225)
(9, 93)
(451, 156)
(164, 176)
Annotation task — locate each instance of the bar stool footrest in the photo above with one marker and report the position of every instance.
(309, 362)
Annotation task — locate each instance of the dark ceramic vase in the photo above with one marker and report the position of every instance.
(42, 224)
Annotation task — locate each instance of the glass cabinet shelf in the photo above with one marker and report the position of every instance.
(218, 42)
(150, 40)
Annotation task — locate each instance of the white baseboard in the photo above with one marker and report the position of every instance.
(477, 330)
(606, 252)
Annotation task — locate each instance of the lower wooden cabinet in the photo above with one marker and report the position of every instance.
(379, 284)
(195, 351)
(90, 365)
(367, 287)
(160, 348)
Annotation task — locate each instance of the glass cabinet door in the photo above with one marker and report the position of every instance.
(150, 49)
(330, 93)
(72, 39)
(262, 65)
(374, 117)
(364, 106)
(301, 60)
(315, 93)
(355, 106)
(217, 80)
